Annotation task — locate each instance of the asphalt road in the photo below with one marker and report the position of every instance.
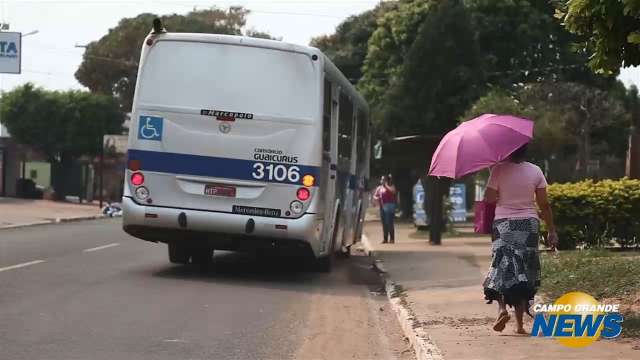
(88, 291)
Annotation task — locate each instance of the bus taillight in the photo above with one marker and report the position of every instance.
(308, 180)
(137, 179)
(303, 194)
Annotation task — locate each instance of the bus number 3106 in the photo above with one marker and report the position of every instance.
(272, 172)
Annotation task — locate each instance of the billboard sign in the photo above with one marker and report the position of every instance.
(457, 196)
(419, 215)
(115, 144)
(10, 52)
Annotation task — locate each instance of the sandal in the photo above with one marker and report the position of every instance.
(501, 321)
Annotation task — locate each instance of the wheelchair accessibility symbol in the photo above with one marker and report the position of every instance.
(150, 128)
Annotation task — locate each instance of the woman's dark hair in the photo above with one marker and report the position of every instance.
(389, 179)
(520, 154)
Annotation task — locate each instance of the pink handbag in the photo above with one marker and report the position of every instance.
(484, 214)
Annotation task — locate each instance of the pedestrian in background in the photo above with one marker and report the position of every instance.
(388, 203)
(376, 198)
(514, 276)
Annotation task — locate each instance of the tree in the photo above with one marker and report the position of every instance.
(611, 29)
(523, 43)
(592, 117)
(388, 45)
(347, 47)
(441, 75)
(519, 42)
(633, 156)
(550, 138)
(109, 65)
(61, 125)
(571, 119)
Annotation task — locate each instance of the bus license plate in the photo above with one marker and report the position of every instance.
(220, 190)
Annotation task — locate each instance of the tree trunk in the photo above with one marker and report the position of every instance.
(633, 155)
(403, 181)
(437, 188)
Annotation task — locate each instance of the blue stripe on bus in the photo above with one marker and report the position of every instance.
(198, 165)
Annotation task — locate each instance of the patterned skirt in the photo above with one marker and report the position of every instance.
(515, 267)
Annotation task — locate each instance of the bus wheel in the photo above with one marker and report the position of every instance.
(325, 263)
(202, 255)
(178, 253)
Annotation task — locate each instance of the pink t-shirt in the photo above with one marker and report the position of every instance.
(516, 184)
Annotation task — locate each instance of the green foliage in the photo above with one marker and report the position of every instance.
(563, 111)
(603, 274)
(496, 101)
(502, 44)
(109, 65)
(593, 214)
(523, 43)
(347, 47)
(611, 29)
(388, 45)
(62, 125)
(440, 76)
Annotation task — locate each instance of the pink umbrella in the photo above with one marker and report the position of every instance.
(478, 144)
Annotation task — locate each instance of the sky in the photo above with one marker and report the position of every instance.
(50, 57)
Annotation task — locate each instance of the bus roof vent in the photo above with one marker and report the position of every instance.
(158, 28)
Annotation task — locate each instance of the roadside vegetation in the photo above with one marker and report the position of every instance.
(609, 276)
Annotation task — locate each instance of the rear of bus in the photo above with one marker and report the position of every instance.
(225, 145)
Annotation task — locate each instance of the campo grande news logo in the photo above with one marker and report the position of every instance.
(577, 319)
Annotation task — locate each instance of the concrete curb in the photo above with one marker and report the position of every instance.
(80, 218)
(423, 346)
(17, 226)
(55, 221)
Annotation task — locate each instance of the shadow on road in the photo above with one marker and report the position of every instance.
(276, 271)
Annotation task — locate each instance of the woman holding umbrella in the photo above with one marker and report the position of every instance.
(500, 142)
(514, 277)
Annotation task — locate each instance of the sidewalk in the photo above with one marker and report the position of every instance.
(21, 212)
(441, 287)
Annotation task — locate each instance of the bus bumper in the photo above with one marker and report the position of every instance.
(223, 231)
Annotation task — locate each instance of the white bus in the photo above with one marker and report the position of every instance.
(244, 144)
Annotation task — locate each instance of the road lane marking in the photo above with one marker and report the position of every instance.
(18, 266)
(101, 247)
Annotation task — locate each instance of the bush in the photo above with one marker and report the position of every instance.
(595, 214)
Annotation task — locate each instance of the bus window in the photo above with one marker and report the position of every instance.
(363, 131)
(345, 127)
(200, 75)
(326, 117)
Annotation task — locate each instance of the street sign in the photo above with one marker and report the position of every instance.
(10, 52)
(115, 144)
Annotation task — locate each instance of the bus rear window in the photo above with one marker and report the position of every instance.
(229, 78)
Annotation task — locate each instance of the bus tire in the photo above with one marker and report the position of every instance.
(325, 263)
(202, 255)
(178, 253)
